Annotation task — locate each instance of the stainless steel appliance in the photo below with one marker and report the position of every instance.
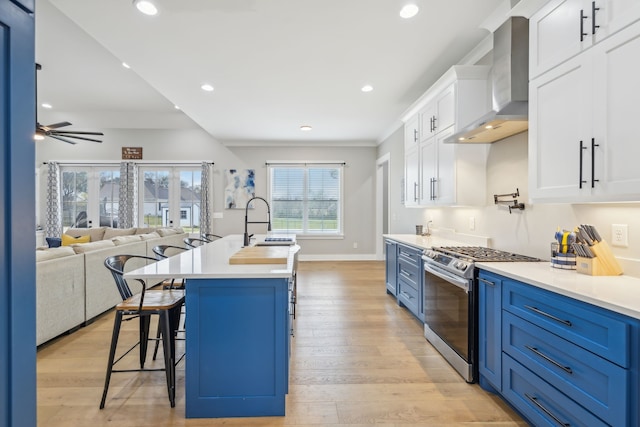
(451, 302)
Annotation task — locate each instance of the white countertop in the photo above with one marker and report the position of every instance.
(211, 261)
(438, 239)
(616, 293)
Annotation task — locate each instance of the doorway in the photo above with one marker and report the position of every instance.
(382, 203)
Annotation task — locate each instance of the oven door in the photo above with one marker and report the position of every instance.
(448, 311)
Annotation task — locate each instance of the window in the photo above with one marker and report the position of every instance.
(306, 198)
(170, 197)
(89, 196)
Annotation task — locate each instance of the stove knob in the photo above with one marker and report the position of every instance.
(460, 265)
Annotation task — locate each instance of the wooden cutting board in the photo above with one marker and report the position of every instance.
(260, 255)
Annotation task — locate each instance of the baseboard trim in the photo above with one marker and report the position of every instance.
(338, 257)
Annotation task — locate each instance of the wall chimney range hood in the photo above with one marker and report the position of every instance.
(510, 87)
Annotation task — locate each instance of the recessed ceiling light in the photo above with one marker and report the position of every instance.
(146, 6)
(461, 139)
(409, 11)
(176, 107)
(38, 137)
(367, 88)
(47, 106)
(207, 87)
(305, 128)
(488, 127)
(125, 65)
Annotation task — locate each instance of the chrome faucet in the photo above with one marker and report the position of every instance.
(247, 237)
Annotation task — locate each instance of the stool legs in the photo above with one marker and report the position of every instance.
(112, 352)
(167, 325)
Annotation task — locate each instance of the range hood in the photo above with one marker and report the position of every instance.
(510, 87)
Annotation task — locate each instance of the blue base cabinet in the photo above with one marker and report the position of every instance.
(238, 333)
(557, 360)
(404, 276)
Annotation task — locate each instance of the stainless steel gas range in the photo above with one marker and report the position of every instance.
(451, 301)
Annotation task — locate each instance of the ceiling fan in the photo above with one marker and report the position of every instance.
(62, 135)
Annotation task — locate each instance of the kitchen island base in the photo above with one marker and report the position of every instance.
(237, 347)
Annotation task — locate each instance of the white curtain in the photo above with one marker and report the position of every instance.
(206, 199)
(128, 195)
(53, 221)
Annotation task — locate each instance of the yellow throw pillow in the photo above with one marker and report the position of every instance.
(69, 240)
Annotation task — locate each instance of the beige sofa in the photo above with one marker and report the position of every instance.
(72, 284)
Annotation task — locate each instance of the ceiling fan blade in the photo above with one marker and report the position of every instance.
(73, 136)
(62, 139)
(57, 125)
(74, 132)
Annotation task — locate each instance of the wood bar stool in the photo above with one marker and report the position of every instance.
(166, 304)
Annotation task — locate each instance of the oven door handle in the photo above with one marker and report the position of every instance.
(454, 280)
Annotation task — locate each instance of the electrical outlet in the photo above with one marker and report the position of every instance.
(217, 215)
(355, 245)
(620, 235)
(472, 223)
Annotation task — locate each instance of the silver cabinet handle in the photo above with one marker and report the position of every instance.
(547, 315)
(486, 282)
(534, 400)
(567, 369)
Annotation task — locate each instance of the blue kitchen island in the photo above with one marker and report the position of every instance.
(238, 329)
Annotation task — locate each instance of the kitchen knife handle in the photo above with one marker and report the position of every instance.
(593, 162)
(593, 17)
(581, 181)
(582, 18)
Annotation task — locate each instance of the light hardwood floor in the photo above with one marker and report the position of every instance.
(358, 359)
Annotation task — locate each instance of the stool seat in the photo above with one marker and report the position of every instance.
(153, 300)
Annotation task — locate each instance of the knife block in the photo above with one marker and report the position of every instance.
(603, 264)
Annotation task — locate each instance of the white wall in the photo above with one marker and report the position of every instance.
(197, 145)
(527, 232)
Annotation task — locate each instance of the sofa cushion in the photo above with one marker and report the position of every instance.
(163, 232)
(96, 233)
(54, 242)
(149, 236)
(123, 240)
(145, 230)
(114, 232)
(92, 246)
(53, 253)
(70, 240)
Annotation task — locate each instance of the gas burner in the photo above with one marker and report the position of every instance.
(480, 254)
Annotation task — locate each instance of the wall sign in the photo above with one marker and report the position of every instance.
(131, 153)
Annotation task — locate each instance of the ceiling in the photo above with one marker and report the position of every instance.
(275, 64)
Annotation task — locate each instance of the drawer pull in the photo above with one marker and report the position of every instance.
(550, 316)
(406, 295)
(567, 369)
(534, 400)
(405, 274)
(486, 282)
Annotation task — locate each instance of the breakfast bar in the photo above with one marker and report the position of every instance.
(237, 323)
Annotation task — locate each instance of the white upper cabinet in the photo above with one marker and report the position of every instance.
(564, 28)
(412, 132)
(411, 177)
(460, 96)
(582, 130)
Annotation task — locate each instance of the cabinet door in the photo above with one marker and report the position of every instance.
(412, 176)
(428, 120)
(412, 132)
(445, 109)
(615, 129)
(445, 185)
(429, 171)
(490, 329)
(560, 111)
(612, 16)
(555, 34)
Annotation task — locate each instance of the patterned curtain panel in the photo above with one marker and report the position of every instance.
(53, 221)
(128, 195)
(206, 199)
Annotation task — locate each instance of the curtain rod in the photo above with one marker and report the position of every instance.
(117, 162)
(305, 163)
